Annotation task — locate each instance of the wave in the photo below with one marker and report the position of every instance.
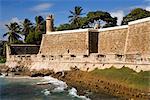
(73, 92)
(46, 92)
(2, 75)
(60, 86)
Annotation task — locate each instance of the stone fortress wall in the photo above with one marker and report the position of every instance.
(64, 44)
(112, 41)
(138, 40)
(87, 49)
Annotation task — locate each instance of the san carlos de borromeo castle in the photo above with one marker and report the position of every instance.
(86, 49)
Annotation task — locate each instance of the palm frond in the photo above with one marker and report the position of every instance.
(8, 26)
(70, 16)
(5, 34)
(73, 13)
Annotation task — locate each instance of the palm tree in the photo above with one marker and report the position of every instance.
(27, 26)
(14, 30)
(76, 15)
(39, 28)
(39, 23)
(36, 31)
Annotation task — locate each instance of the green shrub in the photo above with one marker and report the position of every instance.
(2, 59)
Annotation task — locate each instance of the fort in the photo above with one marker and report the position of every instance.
(87, 49)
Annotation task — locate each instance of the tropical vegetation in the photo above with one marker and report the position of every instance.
(31, 33)
(35, 32)
(135, 14)
(77, 21)
(14, 31)
(75, 16)
(2, 51)
(26, 27)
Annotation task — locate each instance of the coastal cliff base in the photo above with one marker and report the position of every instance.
(101, 84)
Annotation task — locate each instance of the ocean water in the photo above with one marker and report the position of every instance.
(33, 89)
(27, 89)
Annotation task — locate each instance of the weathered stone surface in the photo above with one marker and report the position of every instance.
(49, 23)
(138, 40)
(112, 41)
(64, 44)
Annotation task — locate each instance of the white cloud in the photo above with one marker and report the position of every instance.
(44, 13)
(4, 28)
(15, 19)
(41, 7)
(3, 23)
(147, 8)
(119, 14)
(140, 6)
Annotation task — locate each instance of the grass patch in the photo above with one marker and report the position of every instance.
(2, 59)
(126, 76)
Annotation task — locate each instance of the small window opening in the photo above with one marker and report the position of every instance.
(85, 56)
(43, 56)
(72, 55)
(102, 56)
(68, 51)
(119, 56)
(61, 56)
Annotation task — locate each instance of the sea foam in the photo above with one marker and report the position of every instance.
(46, 92)
(61, 86)
(3, 75)
(73, 92)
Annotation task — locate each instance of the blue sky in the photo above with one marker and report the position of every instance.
(18, 10)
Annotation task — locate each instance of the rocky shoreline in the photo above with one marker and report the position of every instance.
(84, 82)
